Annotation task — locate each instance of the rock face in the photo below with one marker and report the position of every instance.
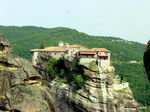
(102, 92)
(146, 60)
(4, 45)
(22, 89)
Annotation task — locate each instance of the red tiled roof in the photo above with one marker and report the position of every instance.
(55, 48)
(100, 49)
(74, 46)
(51, 49)
(93, 51)
(87, 51)
(64, 48)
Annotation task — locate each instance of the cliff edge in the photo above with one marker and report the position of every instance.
(22, 89)
(102, 92)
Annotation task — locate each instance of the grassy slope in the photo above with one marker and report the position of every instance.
(24, 39)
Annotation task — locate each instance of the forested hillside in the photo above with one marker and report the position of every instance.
(123, 52)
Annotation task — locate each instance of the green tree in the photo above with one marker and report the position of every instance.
(52, 68)
(79, 80)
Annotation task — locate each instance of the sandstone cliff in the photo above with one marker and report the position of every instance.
(102, 92)
(22, 89)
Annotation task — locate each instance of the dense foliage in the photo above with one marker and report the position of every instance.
(134, 73)
(25, 38)
(58, 70)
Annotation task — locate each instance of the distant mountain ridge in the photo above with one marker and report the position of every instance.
(25, 38)
(32, 37)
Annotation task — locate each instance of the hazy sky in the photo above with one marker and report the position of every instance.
(128, 19)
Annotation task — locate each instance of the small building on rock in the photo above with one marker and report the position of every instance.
(71, 52)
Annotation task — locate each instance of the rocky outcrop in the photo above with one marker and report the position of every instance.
(22, 89)
(102, 92)
(4, 45)
(146, 60)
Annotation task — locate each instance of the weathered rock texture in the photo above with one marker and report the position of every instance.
(102, 93)
(22, 89)
(4, 45)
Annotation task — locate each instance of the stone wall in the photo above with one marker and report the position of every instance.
(84, 61)
(104, 63)
(35, 58)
